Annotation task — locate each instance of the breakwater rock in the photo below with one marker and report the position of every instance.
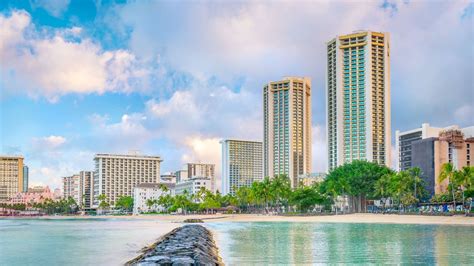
(187, 245)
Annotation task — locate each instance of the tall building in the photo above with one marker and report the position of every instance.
(11, 176)
(25, 178)
(181, 175)
(117, 175)
(203, 170)
(87, 186)
(453, 145)
(72, 187)
(242, 164)
(358, 98)
(287, 128)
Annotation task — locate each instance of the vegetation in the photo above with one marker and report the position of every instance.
(124, 203)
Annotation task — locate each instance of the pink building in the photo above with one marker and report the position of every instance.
(34, 195)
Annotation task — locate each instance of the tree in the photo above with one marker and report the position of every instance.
(124, 203)
(465, 179)
(103, 202)
(307, 197)
(448, 172)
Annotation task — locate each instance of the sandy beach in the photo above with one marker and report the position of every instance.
(348, 218)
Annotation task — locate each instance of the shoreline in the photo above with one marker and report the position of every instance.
(344, 218)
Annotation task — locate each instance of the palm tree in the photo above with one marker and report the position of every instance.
(464, 179)
(448, 172)
(415, 173)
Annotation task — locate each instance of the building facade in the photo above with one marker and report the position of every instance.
(25, 178)
(168, 178)
(453, 146)
(203, 170)
(311, 179)
(242, 164)
(87, 186)
(32, 196)
(193, 185)
(358, 98)
(11, 176)
(73, 187)
(287, 128)
(181, 175)
(150, 191)
(117, 175)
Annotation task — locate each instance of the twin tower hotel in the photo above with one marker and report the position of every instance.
(358, 115)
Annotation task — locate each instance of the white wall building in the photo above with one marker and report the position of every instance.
(242, 164)
(72, 187)
(117, 175)
(192, 185)
(203, 170)
(143, 192)
(181, 175)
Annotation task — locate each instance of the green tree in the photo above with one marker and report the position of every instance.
(124, 203)
(103, 204)
(448, 172)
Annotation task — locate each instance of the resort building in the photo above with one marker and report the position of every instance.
(32, 196)
(452, 145)
(25, 178)
(242, 164)
(73, 187)
(181, 175)
(168, 178)
(287, 128)
(358, 98)
(193, 185)
(150, 191)
(87, 186)
(11, 176)
(311, 179)
(203, 170)
(117, 175)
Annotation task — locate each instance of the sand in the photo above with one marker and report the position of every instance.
(348, 218)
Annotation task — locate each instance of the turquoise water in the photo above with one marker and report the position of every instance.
(114, 241)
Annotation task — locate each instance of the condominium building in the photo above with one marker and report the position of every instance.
(193, 185)
(73, 187)
(287, 127)
(203, 170)
(181, 175)
(117, 175)
(150, 191)
(242, 164)
(87, 185)
(452, 145)
(25, 178)
(11, 176)
(358, 98)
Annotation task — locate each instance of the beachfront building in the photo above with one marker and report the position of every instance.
(150, 191)
(25, 178)
(358, 98)
(11, 176)
(311, 179)
(33, 195)
(73, 187)
(193, 185)
(205, 170)
(168, 178)
(453, 145)
(242, 164)
(287, 128)
(116, 175)
(87, 185)
(181, 175)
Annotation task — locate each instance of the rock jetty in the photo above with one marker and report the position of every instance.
(187, 245)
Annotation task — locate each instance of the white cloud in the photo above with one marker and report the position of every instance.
(319, 148)
(49, 143)
(53, 7)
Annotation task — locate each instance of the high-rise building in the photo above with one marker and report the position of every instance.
(72, 187)
(117, 175)
(287, 128)
(11, 176)
(181, 175)
(242, 164)
(358, 98)
(87, 186)
(453, 145)
(25, 178)
(203, 170)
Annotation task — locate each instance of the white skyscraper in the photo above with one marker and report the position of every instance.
(358, 98)
(242, 164)
(287, 127)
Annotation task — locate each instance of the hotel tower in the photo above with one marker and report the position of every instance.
(358, 98)
(287, 127)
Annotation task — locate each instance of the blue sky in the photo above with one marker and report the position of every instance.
(172, 79)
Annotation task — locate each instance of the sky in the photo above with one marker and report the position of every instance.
(173, 78)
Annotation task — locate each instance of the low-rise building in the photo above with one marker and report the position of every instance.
(193, 185)
(34, 195)
(168, 178)
(312, 178)
(142, 193)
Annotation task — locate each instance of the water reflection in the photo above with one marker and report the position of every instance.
(305, 243)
